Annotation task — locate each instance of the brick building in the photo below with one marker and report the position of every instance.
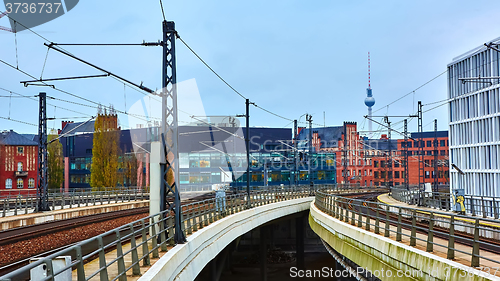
(366, 159)
(18, 163)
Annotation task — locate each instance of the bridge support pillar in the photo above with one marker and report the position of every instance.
(299, 240)
(263, 253)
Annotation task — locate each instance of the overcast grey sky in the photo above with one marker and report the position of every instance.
(290, 57)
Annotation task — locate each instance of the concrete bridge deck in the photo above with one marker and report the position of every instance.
(376, 252)
(185, 261)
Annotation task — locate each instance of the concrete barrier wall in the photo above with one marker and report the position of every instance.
(377, 253)
(186, 261)
(36, 218)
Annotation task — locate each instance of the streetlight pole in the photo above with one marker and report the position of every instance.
(295, 153)
(311, 182)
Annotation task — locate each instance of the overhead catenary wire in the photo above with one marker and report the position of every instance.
(36, 100)
(71, 94)
(19, 121)
(229, 85)
(413, 91)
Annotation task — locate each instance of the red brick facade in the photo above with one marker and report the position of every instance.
(366, 163)
(18, 166)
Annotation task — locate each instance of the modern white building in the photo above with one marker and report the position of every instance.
(474, 115)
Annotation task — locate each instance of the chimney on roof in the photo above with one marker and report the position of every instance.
(63, 124)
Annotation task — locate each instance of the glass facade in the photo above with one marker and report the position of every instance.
(205, 168)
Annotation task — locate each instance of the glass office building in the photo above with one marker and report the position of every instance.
(474, 115)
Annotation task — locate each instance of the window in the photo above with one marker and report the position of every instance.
(19, 166)
(88, 151)
(429, 144)
(427, 175)
(429, 152)
(396, 164)
(415, 143)
(365, 174)
(20, 183)
(375, 163)
(442, 143)
(410, 153)
(8, 183)
(426, 163)
(20, 150)
(376, 175)
(409, 144)
(396, 174)
(31, 183)
(442, 152)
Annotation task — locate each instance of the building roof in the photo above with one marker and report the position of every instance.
(472, 52)
(430, 134)
(379, 144)
(32, 137)
(329, 136)
(83, 129)
(13, 138)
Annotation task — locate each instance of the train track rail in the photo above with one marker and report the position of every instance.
(32, 231)
(14, 235)
(489, 245)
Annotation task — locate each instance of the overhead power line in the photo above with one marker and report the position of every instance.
(210, 68)
(412, 91)
(18, 121)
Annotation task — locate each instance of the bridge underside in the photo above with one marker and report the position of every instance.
(186, 261)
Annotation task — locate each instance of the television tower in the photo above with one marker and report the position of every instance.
(369, 101)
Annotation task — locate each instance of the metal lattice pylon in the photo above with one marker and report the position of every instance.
(169, 130)
(41, 191)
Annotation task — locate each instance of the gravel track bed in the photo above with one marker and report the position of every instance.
(25, 249)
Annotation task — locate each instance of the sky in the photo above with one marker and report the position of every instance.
(289, 57)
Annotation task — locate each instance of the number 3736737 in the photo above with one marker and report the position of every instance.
(33, 8)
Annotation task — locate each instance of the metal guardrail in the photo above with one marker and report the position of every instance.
(473, 205)
(154, 233)
(480, 232)
(26, 204)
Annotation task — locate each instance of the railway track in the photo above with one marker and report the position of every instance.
(489, 245)
(32, 231)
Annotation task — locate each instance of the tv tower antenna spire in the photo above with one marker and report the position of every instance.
(369, 100)
(369, 87)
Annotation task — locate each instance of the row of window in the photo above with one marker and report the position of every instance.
(429, 143)
(483, 64)
(255, 176)
(20, 183)
(397, 174)
(480, 184)
(477, 131)
(478, 157)
(475, 105)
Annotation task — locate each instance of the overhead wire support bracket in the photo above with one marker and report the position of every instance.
(366, 116)
(26, 83)
(30, 83)
(52, 46)
(492, 46)
(478, 79)
(159, 43)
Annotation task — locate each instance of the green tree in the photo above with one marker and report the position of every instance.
(105, 152)
(55, 168)
(129, 169)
